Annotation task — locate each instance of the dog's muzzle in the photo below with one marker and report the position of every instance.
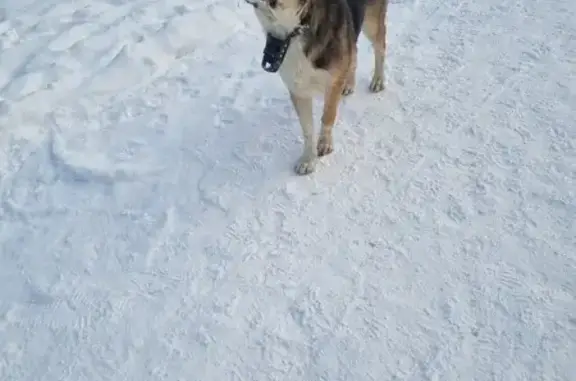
(274, 53)
(276, 48)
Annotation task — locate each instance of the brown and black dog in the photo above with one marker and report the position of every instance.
(313, 46)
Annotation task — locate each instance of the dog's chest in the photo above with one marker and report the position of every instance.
(298, 73)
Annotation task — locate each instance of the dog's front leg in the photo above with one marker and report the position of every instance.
(351, 78)
(331, 103)
(303, 106)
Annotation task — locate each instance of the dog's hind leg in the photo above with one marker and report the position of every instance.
(374, 28)
(304, 109)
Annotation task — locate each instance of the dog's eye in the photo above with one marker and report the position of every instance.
(273, 3)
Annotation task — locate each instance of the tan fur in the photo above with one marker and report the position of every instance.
(332, 98)
(374, 28)
(323, 59)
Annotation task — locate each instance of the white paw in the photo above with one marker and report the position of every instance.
(305, 165)
(377, 84)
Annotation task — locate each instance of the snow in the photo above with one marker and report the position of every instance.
(151, 227)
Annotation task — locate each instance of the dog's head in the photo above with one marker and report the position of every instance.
(279, 16)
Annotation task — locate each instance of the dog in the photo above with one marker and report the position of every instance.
(312, 44)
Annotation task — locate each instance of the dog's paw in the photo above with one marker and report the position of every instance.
(305, 165)
(348, 89)
(325, 146)
(377, 84)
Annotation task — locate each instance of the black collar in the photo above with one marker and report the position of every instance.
(276, 48)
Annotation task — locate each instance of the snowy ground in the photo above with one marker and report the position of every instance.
(151, 227)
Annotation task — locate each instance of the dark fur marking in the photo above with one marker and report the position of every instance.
(334, 26)
(357, 9)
